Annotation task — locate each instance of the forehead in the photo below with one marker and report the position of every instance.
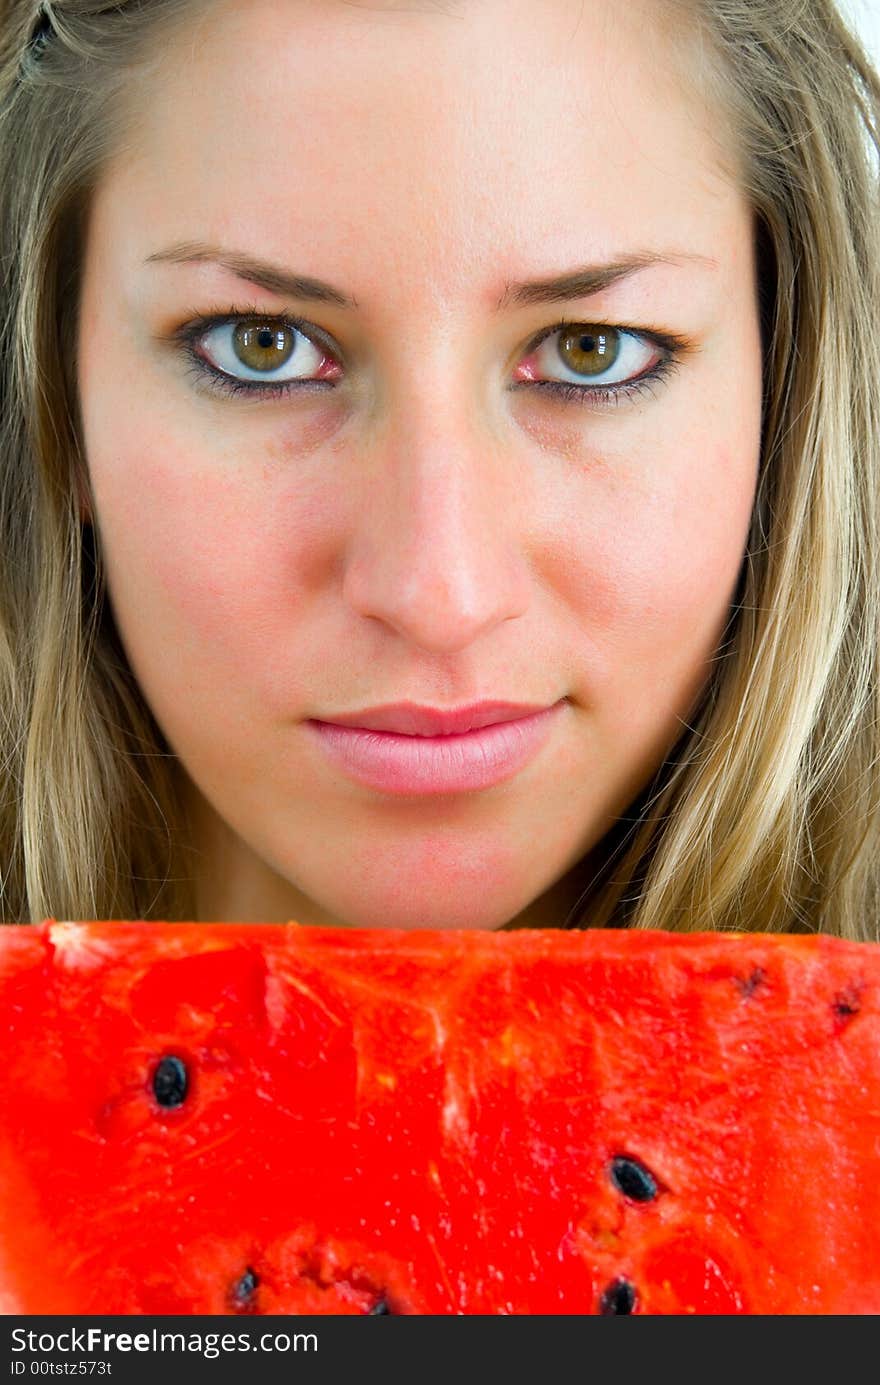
(454, 142)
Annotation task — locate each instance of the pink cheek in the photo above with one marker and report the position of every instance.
(227, 570)
(657, 571)
(175, 545)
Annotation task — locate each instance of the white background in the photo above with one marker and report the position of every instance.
(866, 15)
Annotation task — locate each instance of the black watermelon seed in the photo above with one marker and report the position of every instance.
(170, 1082)
(618, 1298)
(379, 1307)
(749, 984)
(847, 1003)
(633, 1179)
(246, 1286)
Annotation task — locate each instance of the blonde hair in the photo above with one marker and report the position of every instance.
(765, 816)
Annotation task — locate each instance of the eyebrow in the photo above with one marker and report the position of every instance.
(260, 272)
(590, 279)
(577, 283)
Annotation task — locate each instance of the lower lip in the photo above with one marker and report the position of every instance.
(399, 764)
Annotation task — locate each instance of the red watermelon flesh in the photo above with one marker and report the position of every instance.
(272, 1119)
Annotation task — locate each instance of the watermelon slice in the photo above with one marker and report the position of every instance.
(249, 1119)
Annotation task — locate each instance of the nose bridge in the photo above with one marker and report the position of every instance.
(436, 552)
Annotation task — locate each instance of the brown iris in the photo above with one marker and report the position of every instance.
(262, 346)
(589, 350)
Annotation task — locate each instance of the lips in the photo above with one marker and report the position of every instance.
(413, 762)
(409, 719)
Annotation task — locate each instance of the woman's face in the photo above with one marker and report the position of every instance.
(409, 512)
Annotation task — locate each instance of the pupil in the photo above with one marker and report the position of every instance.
(265, 337)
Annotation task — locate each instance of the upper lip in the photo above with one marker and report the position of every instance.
(409, 719)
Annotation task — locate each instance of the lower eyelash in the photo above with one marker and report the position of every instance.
(217, 381)
(588, 395)
(605, 394)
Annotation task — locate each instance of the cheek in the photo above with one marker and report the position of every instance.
(189, 569)
(165, 541)
(653, 571)
(216, 563)
(686, 548)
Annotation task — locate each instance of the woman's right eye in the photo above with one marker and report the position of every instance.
(258, 355)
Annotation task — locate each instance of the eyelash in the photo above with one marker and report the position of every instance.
(217, 381)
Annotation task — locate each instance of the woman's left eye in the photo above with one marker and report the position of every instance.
(594, 360)
(266, 357)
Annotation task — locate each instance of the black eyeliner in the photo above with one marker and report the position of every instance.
(215, 381)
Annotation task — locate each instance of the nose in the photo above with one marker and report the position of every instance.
(437, 552)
